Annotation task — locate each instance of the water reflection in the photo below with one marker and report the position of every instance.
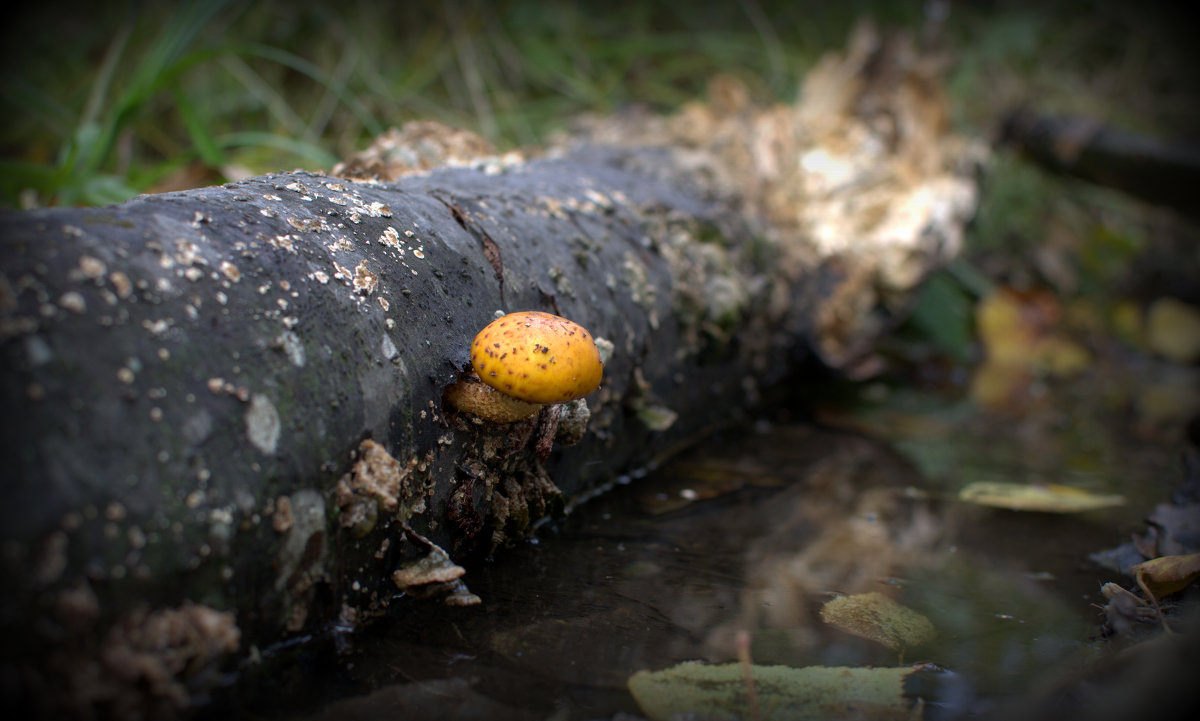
(754, 533)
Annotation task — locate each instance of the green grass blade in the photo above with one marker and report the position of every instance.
(312, 153)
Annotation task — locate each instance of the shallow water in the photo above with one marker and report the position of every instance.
(753, 534)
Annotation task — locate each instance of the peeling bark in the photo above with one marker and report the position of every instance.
(233, 396)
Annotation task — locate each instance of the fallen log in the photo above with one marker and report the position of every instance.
(1148, 168)
(223, 417)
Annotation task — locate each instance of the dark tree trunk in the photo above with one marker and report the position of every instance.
(222, 408)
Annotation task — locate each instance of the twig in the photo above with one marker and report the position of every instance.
(743, 651)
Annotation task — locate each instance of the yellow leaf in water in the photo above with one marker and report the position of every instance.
(994, 385)
(1173, 330)
(1048, 498)
(1168, 574)
(1060, 356)
(1003, 330)
(784, 693)
(878, 618)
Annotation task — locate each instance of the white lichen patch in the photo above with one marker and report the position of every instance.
(320, 276)
(284, 241)
(157, 327)
(606, 348)
(121, 284)
(391, 238)
(377, 209)
(188, 253)
(340, 244)
(365, 281)
(292, 347)
(599, 199)
(311, 225)
(388, 347)
(552, 207)
(230, 271)
(91, 267)
(73, 301)
(262, 423)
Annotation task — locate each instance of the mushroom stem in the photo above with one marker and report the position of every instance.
(473, 396)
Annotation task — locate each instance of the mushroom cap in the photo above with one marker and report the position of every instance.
(537, 357)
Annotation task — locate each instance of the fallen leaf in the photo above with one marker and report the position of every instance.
(684, 482)
(1173, 330)
(815, 692)
(1059, 356)
(878, 618)
(1047, 498)
(1021, 338)
(1167, 574)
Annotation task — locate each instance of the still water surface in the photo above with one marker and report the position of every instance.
(753, 534)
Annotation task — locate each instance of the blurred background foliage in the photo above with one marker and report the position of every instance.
(106, 100)
(103, 101)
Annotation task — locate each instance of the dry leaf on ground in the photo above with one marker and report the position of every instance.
(1167, 574)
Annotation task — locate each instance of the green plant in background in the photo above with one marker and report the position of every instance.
(943, 314)
(143, 92)
(105, 101)
(102, 105)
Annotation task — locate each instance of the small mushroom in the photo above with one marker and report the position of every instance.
(523, 361)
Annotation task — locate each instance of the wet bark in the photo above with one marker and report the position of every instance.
(177, 364)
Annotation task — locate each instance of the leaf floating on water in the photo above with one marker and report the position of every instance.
(1022, 339)
(876, 617)
(699, 480)
(1173, 330)
(657, 418)
(1048, 498)
(1167, 574)
(816, 692)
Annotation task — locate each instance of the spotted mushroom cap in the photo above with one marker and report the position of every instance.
(537, 357)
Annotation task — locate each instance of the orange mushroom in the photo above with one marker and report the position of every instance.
(523, 361)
